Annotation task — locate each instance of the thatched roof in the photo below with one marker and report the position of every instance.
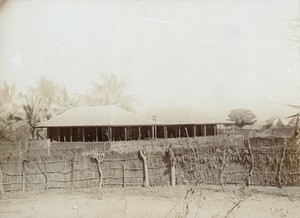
(177, 116)
(271, 120)
(278, 130)
(97, 116)
(293, 122)
(279, 125)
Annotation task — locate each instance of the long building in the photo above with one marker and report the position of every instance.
(111, 123)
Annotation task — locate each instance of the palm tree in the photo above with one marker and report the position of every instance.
(33, 110)
(48, 91)
(9, 109)
(45, 101)
(40, 103)
(7, 93)
(54, 99)
(65, 99)
(109, 91)
(10, 112)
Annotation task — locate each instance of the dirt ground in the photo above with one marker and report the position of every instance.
(181, 201)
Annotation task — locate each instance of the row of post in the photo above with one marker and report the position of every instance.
(151, 134)
(99, 158)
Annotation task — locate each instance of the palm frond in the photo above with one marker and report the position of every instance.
(295, 115)
(109, 91)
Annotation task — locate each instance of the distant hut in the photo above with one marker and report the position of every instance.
(278, 129)
(278, 125)
(292, 122)
(269, 123)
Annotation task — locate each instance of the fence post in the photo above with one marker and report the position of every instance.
(1, 182)
(48, 147)
(99, 157)
(100, 172)
(172, 160)
(248, 145)
(124, 185)
(173, 178)
(46, 175)
(34, 181)
(72, 172)
(145, 167)
(23, 175)
(280, 165)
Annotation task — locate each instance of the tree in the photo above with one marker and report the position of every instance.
(65, 100)
(110, 91)
(44, 101)
(54, 99)
(33, 110)
(9, 109)
(10, 112)
(242, 117)
(47, 93)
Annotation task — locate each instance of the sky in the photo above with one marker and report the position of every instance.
(211, 55)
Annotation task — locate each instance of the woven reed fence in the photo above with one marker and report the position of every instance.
(214, 162)
(118, 170)
(18, 149)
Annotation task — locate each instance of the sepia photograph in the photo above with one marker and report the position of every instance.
(142, 108)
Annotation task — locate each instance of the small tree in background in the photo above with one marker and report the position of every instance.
(242, 117)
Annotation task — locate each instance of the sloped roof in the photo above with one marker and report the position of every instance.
(293, 122)
(271, 120)
(277, 129)
(173, 116)
(282, 132)
(96, 116)
(279, 124)
(274, 120)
